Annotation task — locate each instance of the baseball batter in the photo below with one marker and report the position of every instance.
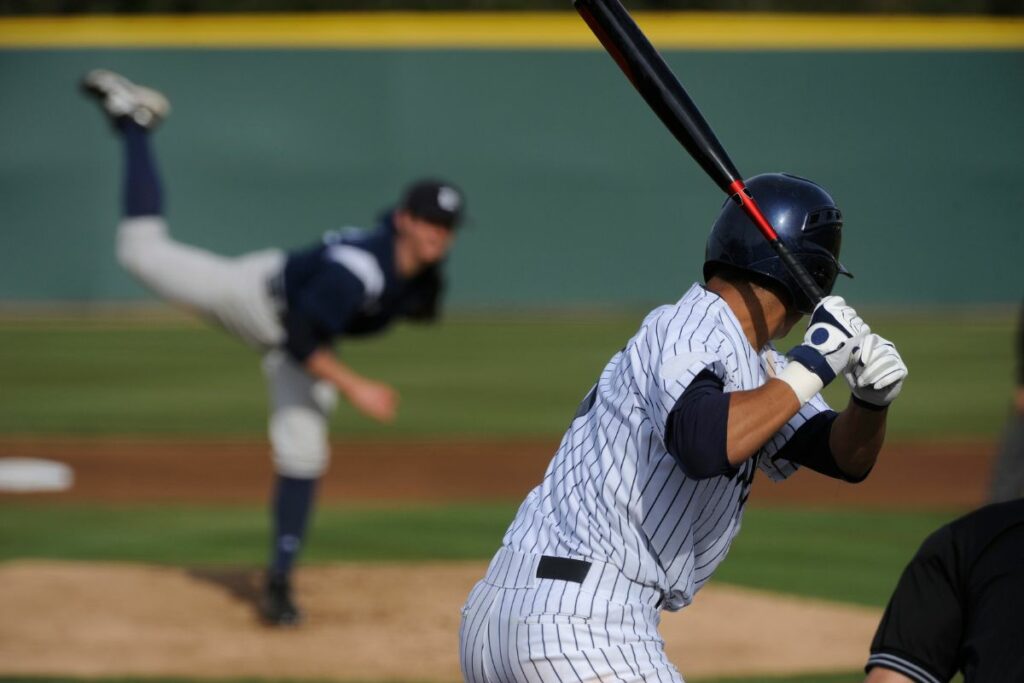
(289, 306)
(646, 491)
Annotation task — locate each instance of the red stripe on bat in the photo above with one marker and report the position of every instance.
(739, 192)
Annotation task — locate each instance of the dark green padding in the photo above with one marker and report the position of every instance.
(577, 194)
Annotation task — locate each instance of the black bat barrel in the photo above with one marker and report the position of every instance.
(653, 79)
(663, 92)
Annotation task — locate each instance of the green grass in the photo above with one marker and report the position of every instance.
(187, 535)
(470, 376)
(850, 556)
(846, 555)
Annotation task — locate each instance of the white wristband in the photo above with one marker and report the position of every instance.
(804, 383)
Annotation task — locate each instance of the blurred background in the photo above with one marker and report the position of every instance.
(293, 118)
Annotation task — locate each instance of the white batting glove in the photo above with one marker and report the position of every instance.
(876, 375)
(834, 333)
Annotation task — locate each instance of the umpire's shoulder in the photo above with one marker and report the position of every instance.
(975, 531)
(958, 544)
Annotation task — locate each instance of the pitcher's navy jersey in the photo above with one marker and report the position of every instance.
(614, 494)
(348, 285)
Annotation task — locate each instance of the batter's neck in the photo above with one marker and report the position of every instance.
(762, 315)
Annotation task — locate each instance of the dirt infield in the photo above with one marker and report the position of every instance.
(390, 621)
(370, 622)
(239, 471)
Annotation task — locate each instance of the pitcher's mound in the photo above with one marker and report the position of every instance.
(365, 621)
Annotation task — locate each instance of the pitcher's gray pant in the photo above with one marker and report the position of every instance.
(233, 293)
(516, 627)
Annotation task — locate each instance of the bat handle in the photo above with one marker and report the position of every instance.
(741, 195)
(797, 270)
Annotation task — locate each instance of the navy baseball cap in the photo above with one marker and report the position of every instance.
(436, 201)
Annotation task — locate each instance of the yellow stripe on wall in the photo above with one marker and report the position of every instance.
(464, 30)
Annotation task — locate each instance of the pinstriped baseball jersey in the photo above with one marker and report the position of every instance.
(614, 494)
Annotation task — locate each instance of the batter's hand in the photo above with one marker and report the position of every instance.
(834, 333)
(374, 399)
(877, 373)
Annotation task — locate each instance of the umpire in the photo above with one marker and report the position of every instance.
(958, 605)
(288, 306)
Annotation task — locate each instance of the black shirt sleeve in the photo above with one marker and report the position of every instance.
(809, 446)
(321, 310)
(697, 427)
(920, 633)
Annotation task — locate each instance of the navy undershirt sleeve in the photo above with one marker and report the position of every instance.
(809, 446)
(321, 310)
(695, 433)
(697, 428)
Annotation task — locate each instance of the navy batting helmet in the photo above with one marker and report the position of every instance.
(807, 221)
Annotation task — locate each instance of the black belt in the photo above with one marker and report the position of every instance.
(565, 569)
(562, 569)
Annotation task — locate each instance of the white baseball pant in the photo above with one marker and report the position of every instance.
(520, 628)
(234, 294)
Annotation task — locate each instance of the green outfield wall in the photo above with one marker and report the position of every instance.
(576, 193)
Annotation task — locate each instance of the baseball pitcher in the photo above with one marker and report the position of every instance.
(288, 306)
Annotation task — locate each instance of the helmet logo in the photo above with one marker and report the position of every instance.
(448, 198)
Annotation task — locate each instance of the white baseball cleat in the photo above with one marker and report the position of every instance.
(120, 97)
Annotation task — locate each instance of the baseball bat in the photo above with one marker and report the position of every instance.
(663, 92)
